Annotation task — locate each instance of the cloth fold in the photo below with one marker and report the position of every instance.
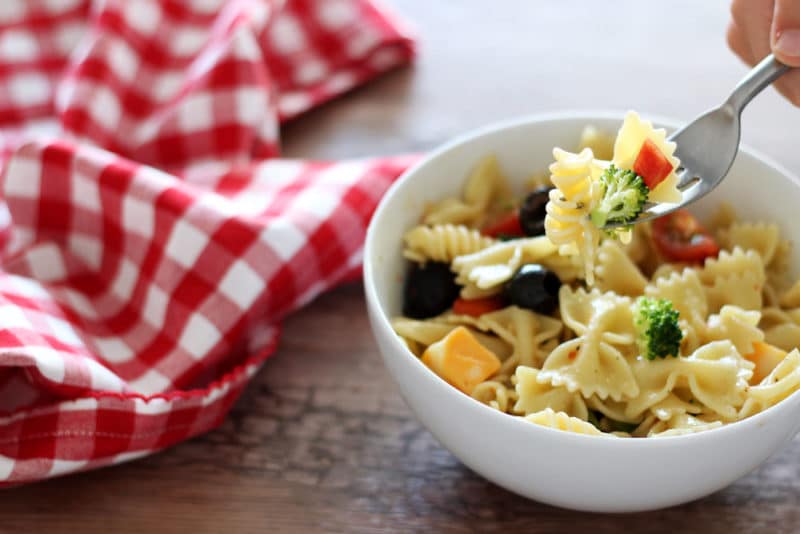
(152, 243)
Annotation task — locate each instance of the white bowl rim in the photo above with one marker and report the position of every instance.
(503, 418)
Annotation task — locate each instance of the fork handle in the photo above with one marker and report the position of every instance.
(763, 74)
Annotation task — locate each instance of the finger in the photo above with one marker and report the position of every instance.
(785, 32)
(738, 43)
(754, 17)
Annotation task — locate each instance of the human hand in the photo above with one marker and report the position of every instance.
(759, 27)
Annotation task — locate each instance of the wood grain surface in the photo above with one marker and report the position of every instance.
(321, 441)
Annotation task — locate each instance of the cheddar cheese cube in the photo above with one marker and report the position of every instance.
(461, 360)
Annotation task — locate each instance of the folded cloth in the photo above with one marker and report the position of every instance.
(151, 239)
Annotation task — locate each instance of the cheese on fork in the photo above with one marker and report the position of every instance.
(461, 360)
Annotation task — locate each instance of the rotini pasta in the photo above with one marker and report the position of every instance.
(443, 242)
(567, 222)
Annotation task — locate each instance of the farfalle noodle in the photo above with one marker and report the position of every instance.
(593, 363)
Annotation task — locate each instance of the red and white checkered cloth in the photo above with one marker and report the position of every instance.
(152, 244)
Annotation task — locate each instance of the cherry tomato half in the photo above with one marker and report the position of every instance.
(508, 226)
(678, 236)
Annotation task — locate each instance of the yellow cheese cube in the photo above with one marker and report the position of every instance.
(461, 360)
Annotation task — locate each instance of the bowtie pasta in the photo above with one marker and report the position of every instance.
(659, 329)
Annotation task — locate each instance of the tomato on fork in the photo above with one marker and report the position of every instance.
(651, 165)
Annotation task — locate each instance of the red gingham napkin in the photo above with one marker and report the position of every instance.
(151, 245)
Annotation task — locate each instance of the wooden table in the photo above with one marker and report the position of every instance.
(321, 440)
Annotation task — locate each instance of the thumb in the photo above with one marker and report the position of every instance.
(785, 37)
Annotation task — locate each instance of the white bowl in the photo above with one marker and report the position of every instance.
(592, 473)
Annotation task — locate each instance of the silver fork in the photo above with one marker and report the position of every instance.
(708, 145)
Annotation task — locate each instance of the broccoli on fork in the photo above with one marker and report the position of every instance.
(657, 329)
(624, 195)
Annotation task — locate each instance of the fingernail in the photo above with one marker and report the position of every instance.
(788, 43)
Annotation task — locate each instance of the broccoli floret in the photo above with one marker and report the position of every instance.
(658, 333)
(623, 198)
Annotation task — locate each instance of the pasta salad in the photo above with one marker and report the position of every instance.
(657, 329)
